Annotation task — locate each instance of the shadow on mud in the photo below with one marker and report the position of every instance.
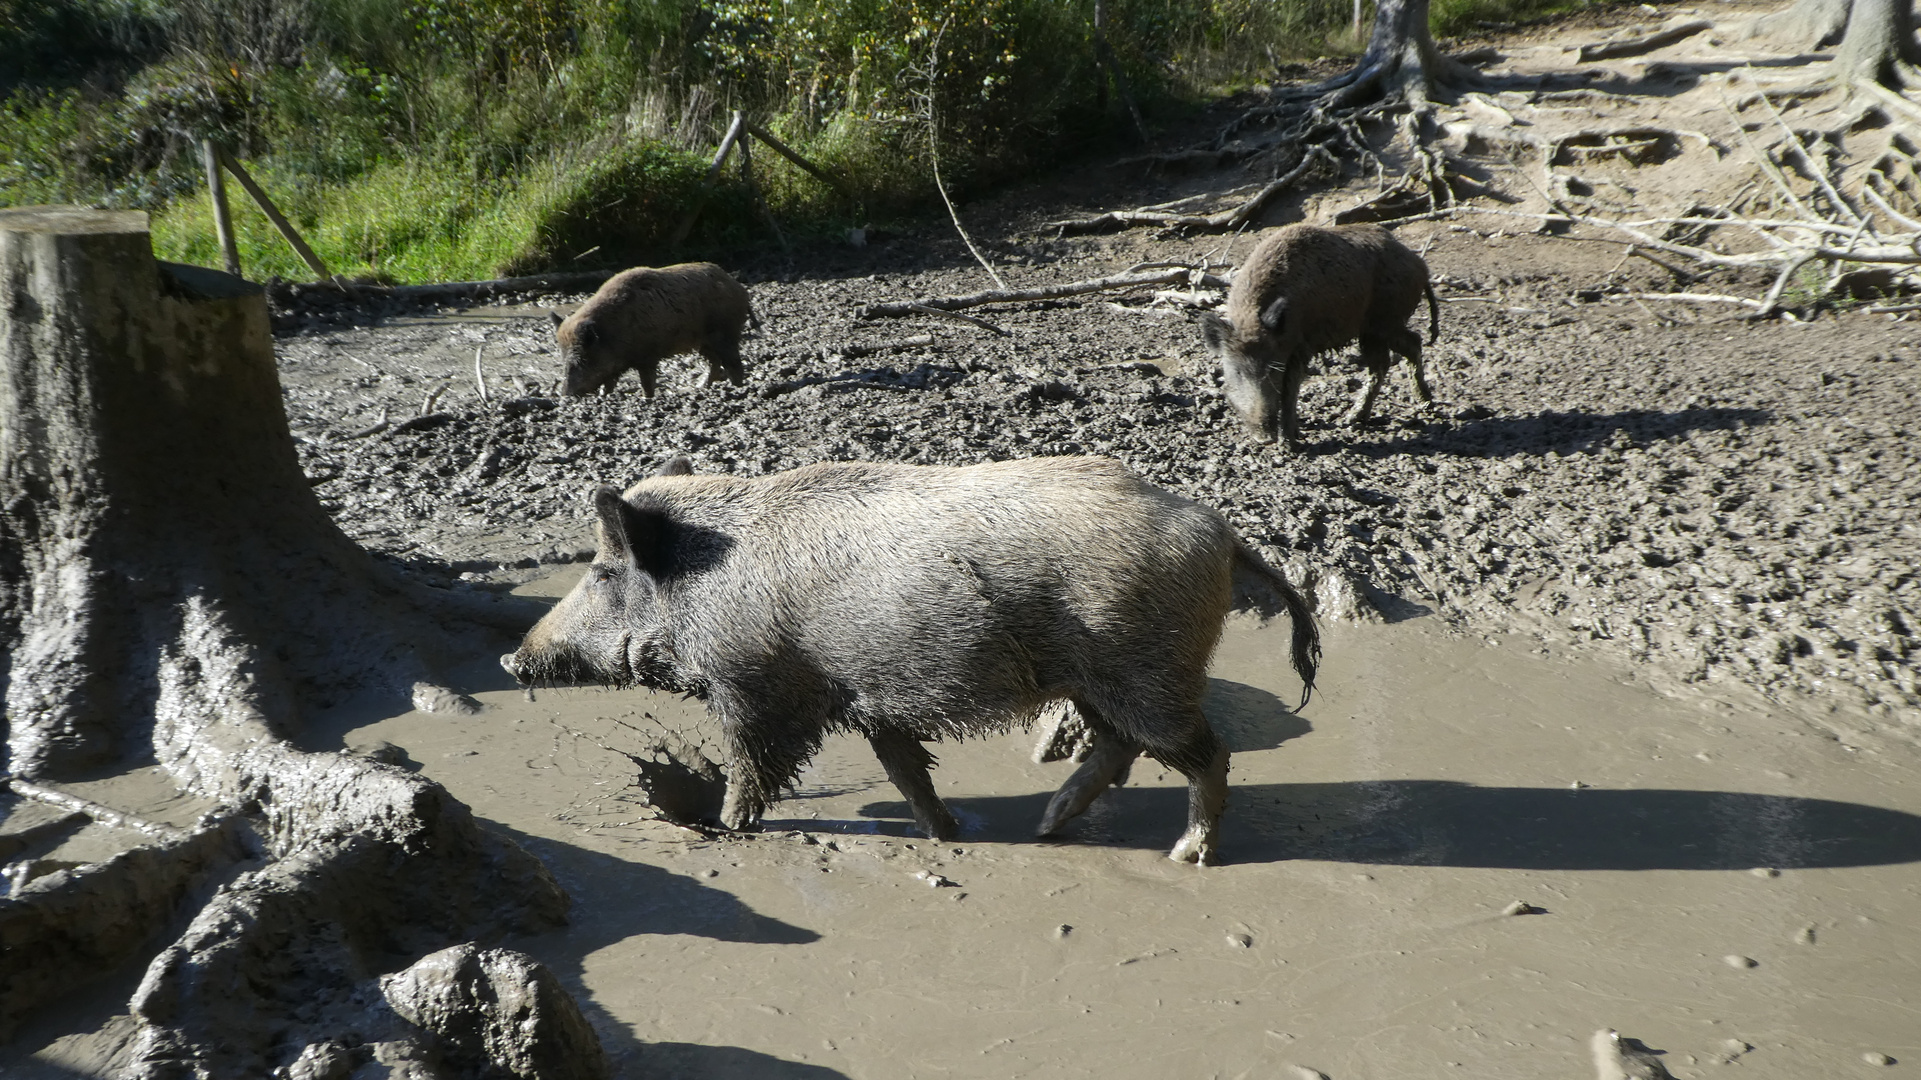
(1445, 823)
(651, 901)
(692, 1061)
(1563, 433)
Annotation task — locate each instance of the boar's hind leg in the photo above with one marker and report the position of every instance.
(1376, 358)
(722, 350)
(1184, 742)
(907, 762)
(1105, 765)
(1206, 797)
(1409, 345)
(1109, 758)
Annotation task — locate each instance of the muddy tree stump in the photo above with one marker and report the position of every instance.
(171, 591)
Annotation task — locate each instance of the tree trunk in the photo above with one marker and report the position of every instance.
(1401, 59)
(175, 593)
(1879, 38)
(1876, 36)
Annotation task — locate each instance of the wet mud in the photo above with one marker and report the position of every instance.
(1716, 501)
(1460, 855)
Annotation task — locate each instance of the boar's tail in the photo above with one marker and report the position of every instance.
(1307, 636)
(1433, 314)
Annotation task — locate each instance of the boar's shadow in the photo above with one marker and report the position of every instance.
(1449, 823)
(1563, 433)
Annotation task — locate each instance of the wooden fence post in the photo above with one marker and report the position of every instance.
(222, 219)
(280, 222)
(734, 132)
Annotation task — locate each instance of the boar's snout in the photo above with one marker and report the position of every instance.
(510, 662)
(576, 383)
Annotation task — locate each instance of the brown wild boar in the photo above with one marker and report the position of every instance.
(910, 603)
(644, 315)
(1310, 289)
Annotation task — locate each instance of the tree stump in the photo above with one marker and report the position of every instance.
(171, 591)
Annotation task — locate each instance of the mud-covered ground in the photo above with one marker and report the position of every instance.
(1723, 500)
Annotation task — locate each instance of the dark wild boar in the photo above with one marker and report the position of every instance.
(644, 315)
(907, 604)
(1310, 289)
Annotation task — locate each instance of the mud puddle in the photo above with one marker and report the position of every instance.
(1710, 876)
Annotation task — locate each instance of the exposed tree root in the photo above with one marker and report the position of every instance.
(1677, 29)
(1325, 128)
(182, 597)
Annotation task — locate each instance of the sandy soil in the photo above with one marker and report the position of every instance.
(1645, 659)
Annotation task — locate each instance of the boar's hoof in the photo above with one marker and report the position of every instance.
(739, 819)
(1196, 846)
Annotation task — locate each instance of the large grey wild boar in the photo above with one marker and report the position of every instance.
(644, 315)
(909, 603)
(1310, 289)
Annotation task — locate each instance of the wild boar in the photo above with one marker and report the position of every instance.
(910, 603)
(1310, 289)
(644, 315)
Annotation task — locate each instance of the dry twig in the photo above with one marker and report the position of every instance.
(895, 309)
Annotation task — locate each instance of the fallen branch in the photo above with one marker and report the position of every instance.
(898, 308)
(1646, 43)
(918, 341)
(958, 317)
(99, 812)
(375, 428)
(571, 281)
(1699, 298)
(1232, 218)
(802, 163)
(279, 220)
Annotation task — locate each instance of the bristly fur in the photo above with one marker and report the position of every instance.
(1309, 289)
(918, 603)
(644, 315)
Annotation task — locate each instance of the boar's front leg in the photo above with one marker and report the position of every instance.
(907, 762)
(763, 758)
(1293, 372)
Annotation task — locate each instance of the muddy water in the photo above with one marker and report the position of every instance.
(1374, 841)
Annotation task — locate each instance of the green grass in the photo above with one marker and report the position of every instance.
(417, 140)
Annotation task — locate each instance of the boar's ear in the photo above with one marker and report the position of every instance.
(1215, 331)
(678, 465)
(643, 538)
(1274, 315)
(555, 315)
